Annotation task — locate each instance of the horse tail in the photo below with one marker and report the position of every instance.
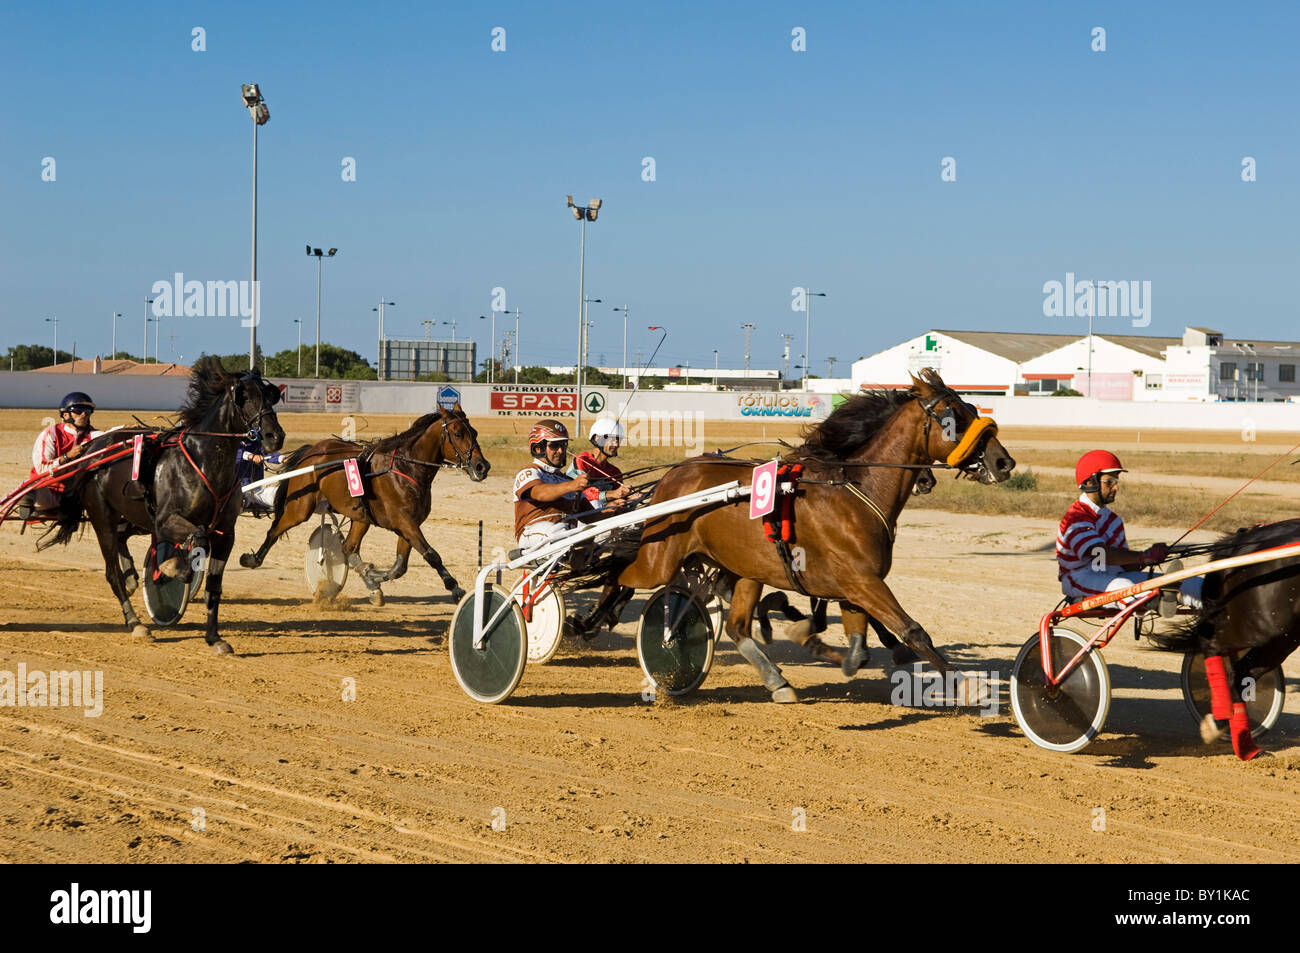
(776, 601)
(68, 522)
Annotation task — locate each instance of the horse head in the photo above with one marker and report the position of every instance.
(459, 446)
(253, 397)
(956, 434)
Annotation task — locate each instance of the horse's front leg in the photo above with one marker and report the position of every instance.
(875, 597)
(739, 620)
(398, 569)
(289, 513)
(178, 531)
(410, 532)
(222, 543)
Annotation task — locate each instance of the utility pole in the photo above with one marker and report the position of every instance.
(747, 328)
(785, 355)
(428, 322)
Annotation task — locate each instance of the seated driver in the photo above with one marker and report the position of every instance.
(1091, 546)
(58, 445)
(544, 494)
(606, 487)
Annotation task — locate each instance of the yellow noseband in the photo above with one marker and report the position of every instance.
(973, 434)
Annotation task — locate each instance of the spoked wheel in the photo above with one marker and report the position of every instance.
(1069, 716)
(165, 601)
(1263, 709)
(326, 568)
(492, 673)
(544, 619)
(674, 641)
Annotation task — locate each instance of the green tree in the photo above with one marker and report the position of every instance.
(335, 363)
(28, 357)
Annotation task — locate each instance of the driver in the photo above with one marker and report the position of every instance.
(57, 445)
(606, 487)
(1091, 546)
(544, 494)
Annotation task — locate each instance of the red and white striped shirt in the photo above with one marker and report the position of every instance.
(1085, 529)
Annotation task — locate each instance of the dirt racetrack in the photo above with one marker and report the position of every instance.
(258, 757)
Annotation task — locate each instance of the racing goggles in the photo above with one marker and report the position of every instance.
(78, 409)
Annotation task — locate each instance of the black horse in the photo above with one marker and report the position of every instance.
(1254, 610)
(187, 493)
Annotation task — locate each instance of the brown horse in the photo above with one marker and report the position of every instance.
(860, 465)
(398, 472)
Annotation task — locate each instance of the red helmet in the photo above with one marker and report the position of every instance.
(1094, 462)
(544, 432)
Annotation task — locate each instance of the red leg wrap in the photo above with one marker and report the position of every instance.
(1242, 743)
(1220, 700)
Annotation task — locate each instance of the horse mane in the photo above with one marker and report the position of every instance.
(209, 382)
(860, 418)
(403, 440)
(1251, 539)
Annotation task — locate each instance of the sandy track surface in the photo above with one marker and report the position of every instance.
(577, 765)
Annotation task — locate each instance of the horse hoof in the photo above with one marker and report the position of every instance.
(457, 594)
(142, 634)
(799, 631)
(1210, 730)
(222, 647)
(376, 597)
(249, 561)
(784, 695)
(903, 655)
(856, 656)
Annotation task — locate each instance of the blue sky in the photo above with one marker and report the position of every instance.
(773, 168)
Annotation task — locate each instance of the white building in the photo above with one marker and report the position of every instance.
(1199, 366)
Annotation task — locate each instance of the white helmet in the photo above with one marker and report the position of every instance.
(602, 430)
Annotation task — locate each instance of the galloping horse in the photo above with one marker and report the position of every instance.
(860, 465)
(1252, 609)
(397, 493)
(187, 493)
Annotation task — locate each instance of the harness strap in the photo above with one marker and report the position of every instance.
(219, 500)
(871, 505)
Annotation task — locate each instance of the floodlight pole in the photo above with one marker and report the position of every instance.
(583, 213)
(807, 331)
(298, 321)
(144, 347)
(115, 317)
(625, 309)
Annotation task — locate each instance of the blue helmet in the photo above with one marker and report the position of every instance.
(76, 399)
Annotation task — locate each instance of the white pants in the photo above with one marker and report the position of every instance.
(535, 534)
(262, 496)
(1088, 579)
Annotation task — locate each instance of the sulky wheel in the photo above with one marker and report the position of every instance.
(544, 620)
(674, 641)
(1263, 709)
(491, 673)
(1071, 715)
(164, 601)
(326, 567)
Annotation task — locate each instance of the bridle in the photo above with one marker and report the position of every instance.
(978, 431)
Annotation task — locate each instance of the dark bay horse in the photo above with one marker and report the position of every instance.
(187, 494)
(398, 473)
(1254, 610)
(845, 511)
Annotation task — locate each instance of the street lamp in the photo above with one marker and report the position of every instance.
(453, 329)
(154, 322)
(116, 315)
(584, 214)
(144, 349)
(55, 322)
(586, 331)
(715, 368)
(625, 309)
(807, 330)
(492, 340)
(514, 345)
(298, 321)
(379, 372)
(252, 97)
(320, 257)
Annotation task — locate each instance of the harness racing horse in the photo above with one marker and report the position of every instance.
(397, 494)
(187, 494)
(1254, 610)
(860, 465)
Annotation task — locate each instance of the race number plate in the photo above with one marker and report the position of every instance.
(355, 486)
(762, 490)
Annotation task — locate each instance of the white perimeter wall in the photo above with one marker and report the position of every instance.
(114, 392)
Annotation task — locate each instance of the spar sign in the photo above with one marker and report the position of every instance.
(538, 400)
